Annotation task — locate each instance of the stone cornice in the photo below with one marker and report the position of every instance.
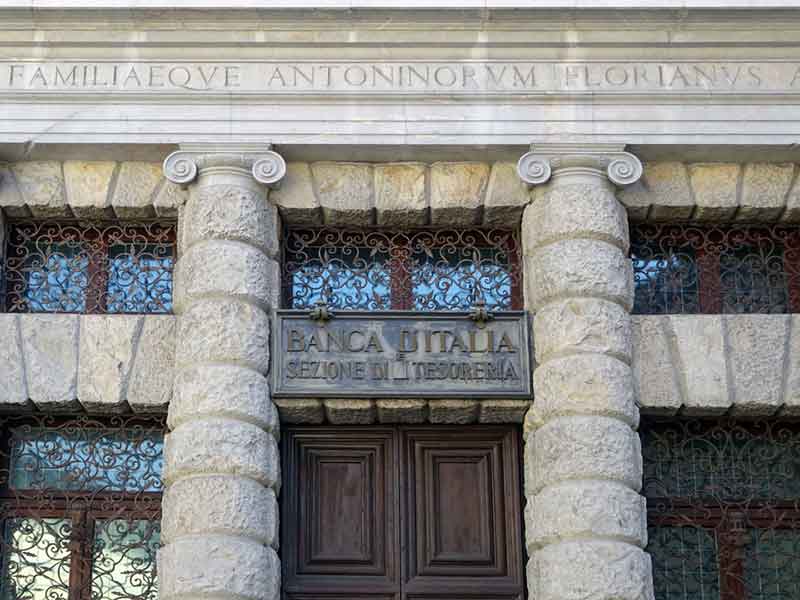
(266, 166)
(537, 166)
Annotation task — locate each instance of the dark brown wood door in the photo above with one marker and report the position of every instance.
(411, 513)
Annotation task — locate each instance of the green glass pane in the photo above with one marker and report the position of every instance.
(772, 564)
(124, 560)
(684, 563)
(36, 559)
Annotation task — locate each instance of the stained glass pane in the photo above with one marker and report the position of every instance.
(36, 559)
(772, 564)
(124, 560)
(55, 278)
(140, 278)
(685, 565)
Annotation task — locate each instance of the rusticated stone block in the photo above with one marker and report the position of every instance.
(350, 412)
(231, 212)
(223, 331)
(402, 411)
(668, 189)
(50, 348)
(345, 192)
(655, 381)
(87, 186)
(219, 504)
(455, 412)
(151, 374)
(297, 411)
(400, 194)
(715, 187)
(579, 268)
(137, 183)
(792, 393)
(581, 447)
(222, 391)
(585, 384)
(764, 190)
(295, 197)
(106, 354)
(582, 325)
(218, 566)
(226, 268)
(457, 193)
(221, 445)
(590, 570)
(42, 186)
(585, 509)
(575, 210)
(13, 389)
(169, 198)
(758, 346)
(11, 200)
(503, 411)
(506, 196)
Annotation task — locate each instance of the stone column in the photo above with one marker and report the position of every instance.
(585, 520)
(221, 471)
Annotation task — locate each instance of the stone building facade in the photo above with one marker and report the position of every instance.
(576, 127)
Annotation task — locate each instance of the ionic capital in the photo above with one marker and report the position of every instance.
(265, 165)
(537, 166)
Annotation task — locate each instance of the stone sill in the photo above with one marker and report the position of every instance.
(96, 363)
(710, 365)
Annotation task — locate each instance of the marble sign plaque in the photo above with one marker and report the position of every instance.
(400, 354)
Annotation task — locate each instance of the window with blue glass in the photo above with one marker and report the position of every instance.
(81, 508)
(89, 267)
(421, 270)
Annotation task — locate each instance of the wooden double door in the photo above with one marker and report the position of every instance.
(423, 513)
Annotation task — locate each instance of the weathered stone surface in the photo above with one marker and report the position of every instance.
(582, 325)
(700, 362)
(585, 384)
(106, 353)
(579, 268)
(226, 268)
(13, 389)
(218, 566)
(455, 412)
(402, 411)
(217, 445)
(50, 348)
(506, 196)
(223, 331)
(669, 191)
(655, 380)
(791, 213)
(135, 188)
(87, 185)
(636, 199)
(590, 570)
(345, 192)
(295, 198)
(715, 187)
(400, 194)
(457, 193)
(568, 448)
(792, 393)
(758, 346)
(231, 212)
(219, 504)
(350, 412)
(575, 210)
(585, 509)
(300, 411)
(223, 391)
(11, 201)
(503, 411)
(151, 374)
(764, 190)
(42, 186)
(169, 197)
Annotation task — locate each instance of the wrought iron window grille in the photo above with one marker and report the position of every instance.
(81, 507)
(686, 268)
(723, 508)
(422, 270)
(89, 267)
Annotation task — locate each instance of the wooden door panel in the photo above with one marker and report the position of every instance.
(340, 512)
(461, 512)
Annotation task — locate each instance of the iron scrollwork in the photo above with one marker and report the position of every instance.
(424, 270)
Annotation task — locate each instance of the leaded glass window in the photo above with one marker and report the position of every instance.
(723, 509)
(81, 508)
(424, 270)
